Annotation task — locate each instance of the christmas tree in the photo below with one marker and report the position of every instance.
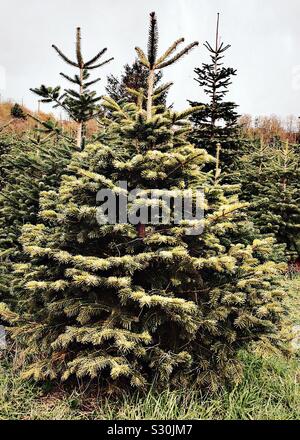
(80, 105)
(216, 122)
(25, 171)
(270, 176)
(132, 304)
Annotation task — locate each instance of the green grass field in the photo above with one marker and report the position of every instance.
(270, 391)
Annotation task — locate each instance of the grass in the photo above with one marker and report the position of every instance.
(270, 391)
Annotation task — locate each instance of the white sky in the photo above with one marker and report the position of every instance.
(264, 35)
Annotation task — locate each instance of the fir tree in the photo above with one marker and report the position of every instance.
(216, 122)
(24, 171)
(270, 176)
(81, 105)
(105, 301)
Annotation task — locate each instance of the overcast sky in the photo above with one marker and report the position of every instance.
(264, 35)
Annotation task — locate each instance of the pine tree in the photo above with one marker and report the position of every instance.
(82, 105)
(216, 122)
(134, 78)
(106, 301)
(270, 176)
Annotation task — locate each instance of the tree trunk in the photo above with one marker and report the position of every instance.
(80, 127)
(150, 94)
(140, 228)
(79, 135)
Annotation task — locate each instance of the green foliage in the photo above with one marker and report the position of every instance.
(135, 77)
(153, 63)
(216, 121)
(83, 104)
(25, 170)
(104, 303)
(127, 305)
(6, 143)
(270, 177)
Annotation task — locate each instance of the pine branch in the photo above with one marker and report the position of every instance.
(163, 88)
(190, 159)
(88, 84)
(170, 50)
(95, 58)
(72, 80)
(183, 52)
(73, 93)
(220, 49)
(54, 131)
(66, 59)
(100, 65)
(142, 57)
(133, 91)
(185, 113)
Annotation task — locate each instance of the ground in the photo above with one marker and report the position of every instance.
(270, 391)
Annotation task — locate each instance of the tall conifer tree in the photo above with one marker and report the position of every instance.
(81, 105)
(216, 122)
(128, 305)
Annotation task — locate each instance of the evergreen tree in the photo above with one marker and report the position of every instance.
(134, 78)
(270, 177)
(82, 105)
(109, 302)
(216, 122)
(24, 171)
